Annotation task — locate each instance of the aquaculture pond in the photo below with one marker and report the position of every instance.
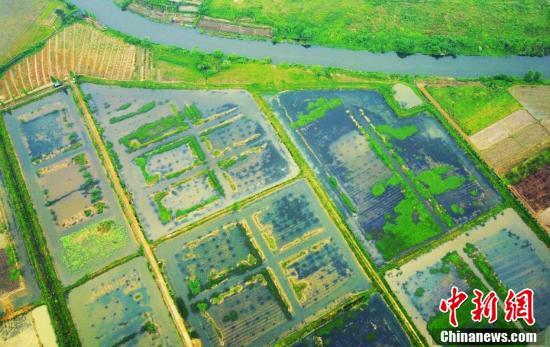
(517, 259)
(18, 286)
(185, 154)
(77, 209)
(122, 307)
(463, 262)
(252, 277)
(400, 181)
(369, 322)
(33, 328)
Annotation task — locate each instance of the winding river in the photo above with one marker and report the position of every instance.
(107, 13)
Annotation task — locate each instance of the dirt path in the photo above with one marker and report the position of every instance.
(126, 206)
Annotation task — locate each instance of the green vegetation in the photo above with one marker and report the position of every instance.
(489, 27)
(215, 182)
(194, 285)
(436, 180)
(475, 107)
(124, 106)
(29, 24)
(145, 108)
(411, 226)
(529, 167)
(153, 132)
(400, 133)
(316, 109)
(95, 243)
(419, 292)
(193, 114)
(457, 209)
(165, 214)
(231, 317)
(152, 178)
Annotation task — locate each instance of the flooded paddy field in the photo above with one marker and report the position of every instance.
(33, 329)
(77, 209)
(18, 286)
(369, 322)
(253, 276)
(422, 282)
(393, 177)
(122, 307)
(186, 154)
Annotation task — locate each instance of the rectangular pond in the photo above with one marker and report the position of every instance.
(200, 150)
(77, 209)
(401, 181)
(255, 275)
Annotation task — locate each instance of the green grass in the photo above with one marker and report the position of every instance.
(193, 114)
(144, 108)
(165, 214)
(476, 107)
(26, 24)
(470, 27)
(529, 167)
(436, 180)
(84, 249)
(400, 133)
(316, 109)
(153, 132)
(124, 106)
(411, 226)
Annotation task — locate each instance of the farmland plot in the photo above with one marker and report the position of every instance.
(195, 152)
(369, 322)
(420, 283)
(30, 330)
(77, 209)
(396, 195)
(122, 306)
(511, 140)
(80, 48)
(229, 275)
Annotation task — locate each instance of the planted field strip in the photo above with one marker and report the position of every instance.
(186, 154)
(122, 305)
(84, 227)
(511, 140)
(420, 283)
(239, 285)
(393, 177)
(535, 100)
(79, 48)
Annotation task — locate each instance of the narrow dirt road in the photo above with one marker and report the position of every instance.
(126, 207)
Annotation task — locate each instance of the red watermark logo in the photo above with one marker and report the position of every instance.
(516, 306)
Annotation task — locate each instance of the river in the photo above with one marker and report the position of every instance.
(107, 13)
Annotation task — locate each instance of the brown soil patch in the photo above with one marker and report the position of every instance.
(535, 189)
(212, 24)
(536, 99)
(6, 283)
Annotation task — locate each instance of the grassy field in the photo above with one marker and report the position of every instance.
(476, 107)
(25, 24)
(471, 27)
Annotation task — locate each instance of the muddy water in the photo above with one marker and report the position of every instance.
(106, 12)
